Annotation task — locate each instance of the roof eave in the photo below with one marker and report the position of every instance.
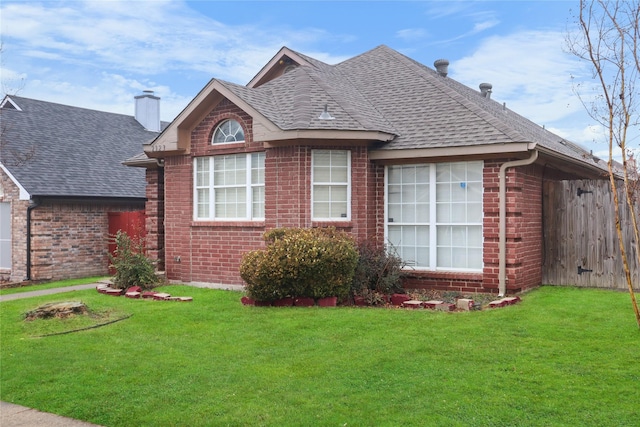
(580, 167)
(336, 136)
(487, 150)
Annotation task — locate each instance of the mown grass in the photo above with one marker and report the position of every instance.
(562, 357)
(49, 285)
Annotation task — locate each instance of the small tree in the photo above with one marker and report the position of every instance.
(132, 267)
(609, 39)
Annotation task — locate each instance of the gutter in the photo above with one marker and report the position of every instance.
(502, 225)
(34, 204)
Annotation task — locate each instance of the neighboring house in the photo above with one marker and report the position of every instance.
(378, 145)
(61, 178)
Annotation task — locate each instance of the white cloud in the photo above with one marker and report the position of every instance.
(152, 38)
(412, 34)
(528, 70)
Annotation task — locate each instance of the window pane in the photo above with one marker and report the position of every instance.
(422, 174)
(394, 193)
(458, 172)
(474, 236)
(422, 193)
(459, 192)
(395, 235)
(474, 258)
(443, 173)
(474, 213)
(474, 171)
(474, 192)
(443, 193)
(422, 213)
(443, 212)
(408, 213)
(395, 175)
(322, 174)
(458, 213)
(321, 193)
(322, 158)
(258, 202)
(444, 257)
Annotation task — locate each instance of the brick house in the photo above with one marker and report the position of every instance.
(61, 178)
(379, 145)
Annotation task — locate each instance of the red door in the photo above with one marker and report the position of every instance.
(131, 223)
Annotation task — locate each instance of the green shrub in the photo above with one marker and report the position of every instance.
(300, 262)
(379, 270)
(131, 265)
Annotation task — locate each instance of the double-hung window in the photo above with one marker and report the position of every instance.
(331, 185)
(434, 215)
(229, 187)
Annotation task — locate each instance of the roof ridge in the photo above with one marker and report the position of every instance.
(16, 97)
(359, 117)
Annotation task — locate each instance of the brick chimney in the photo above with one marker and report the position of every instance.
(148, 111)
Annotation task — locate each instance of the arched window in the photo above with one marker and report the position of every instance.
(228, 131)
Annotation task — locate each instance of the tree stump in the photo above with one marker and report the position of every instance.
(57, 309)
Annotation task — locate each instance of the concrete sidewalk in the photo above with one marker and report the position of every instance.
(18, 416)
(52, 291)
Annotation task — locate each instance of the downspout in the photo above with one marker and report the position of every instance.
(502, 225)
(34, 204)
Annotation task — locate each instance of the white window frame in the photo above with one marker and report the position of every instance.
(432, 223)
(218, 128)
(346, 185)
(211, 187)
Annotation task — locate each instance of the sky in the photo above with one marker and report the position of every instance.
(99, 54)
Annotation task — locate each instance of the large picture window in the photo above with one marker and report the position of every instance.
(434, 215)
(229, 187)
(331, 188)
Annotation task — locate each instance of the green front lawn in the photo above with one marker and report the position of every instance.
(562, 357)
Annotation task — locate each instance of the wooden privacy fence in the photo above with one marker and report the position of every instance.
(580, 241)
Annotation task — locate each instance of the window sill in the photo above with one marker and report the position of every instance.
(245, 224)
(432, 274)
(336, 224)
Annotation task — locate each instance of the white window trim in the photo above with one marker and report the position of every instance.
(249, 186)
(218, 144)
(313, 184)
(433, 224)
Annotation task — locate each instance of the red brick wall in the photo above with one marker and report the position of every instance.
(154, 212)
(69, 240)
(524, 227)
(211, 251)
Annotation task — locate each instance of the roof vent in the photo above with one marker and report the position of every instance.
(485, 90)
(442, 66)
(325, 115)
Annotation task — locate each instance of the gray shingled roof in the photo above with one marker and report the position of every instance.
(76, 152)
(383, 90)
